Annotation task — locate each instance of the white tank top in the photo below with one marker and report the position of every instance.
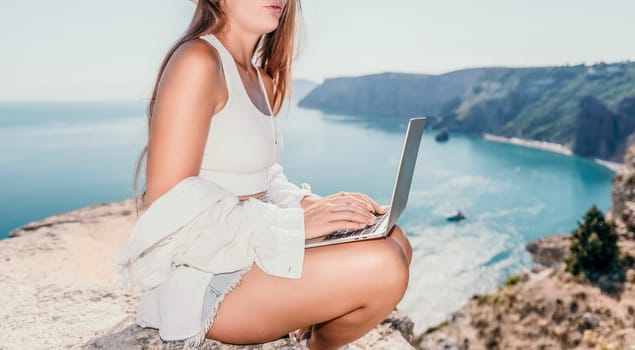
(242, 142)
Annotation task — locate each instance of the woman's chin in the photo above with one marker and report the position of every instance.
(266, 28)
(270, 29)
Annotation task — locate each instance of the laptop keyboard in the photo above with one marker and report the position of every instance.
(348, 233)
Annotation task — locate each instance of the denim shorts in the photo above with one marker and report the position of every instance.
(221, 284)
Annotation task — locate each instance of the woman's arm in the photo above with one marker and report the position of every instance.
(287, 194)
(191, 89)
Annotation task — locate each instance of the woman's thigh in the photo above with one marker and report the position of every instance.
(336, 280)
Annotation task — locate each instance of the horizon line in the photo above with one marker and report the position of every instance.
(146, 99)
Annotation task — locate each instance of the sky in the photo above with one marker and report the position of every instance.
(111, 50)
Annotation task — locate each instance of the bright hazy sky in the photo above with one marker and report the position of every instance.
(104, 50)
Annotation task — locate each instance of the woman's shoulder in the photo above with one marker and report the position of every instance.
(196, 54)
(194, 63)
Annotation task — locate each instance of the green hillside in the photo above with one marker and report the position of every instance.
(541, 103)
(536, 103)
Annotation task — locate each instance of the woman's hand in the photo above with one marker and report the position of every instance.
(338, 212)
(308, 200)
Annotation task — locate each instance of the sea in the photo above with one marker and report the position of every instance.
(60, 156)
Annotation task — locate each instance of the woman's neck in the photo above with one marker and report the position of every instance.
(240, 45)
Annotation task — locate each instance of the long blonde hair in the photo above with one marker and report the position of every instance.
(276, 52)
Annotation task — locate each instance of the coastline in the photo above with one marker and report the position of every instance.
(547, 306)
(550, 147)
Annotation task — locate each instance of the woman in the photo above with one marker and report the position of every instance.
(212, 152)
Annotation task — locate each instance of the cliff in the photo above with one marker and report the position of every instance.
(301, 87)
(623, 196)
(549, 308)
(391, 94)
(59, 289)
(602, 133)
(556, 104)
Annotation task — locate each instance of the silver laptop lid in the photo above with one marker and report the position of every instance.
(406, 169)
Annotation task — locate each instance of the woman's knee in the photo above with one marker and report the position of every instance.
(399, 236)
(387, 269)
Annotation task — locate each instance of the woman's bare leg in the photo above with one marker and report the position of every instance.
(400, 237)
(334, 333)
(345, 290)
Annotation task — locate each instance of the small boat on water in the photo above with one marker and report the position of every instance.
(442, 136)
(457, 216)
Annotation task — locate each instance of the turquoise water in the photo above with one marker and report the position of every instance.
(57, 157)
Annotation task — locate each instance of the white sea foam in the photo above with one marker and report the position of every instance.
(453, 262)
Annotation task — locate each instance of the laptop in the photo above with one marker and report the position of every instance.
(385, 222)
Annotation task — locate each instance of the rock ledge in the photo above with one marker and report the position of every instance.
(60, 289)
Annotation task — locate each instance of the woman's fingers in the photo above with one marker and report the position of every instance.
(340, 211)
(345, 215)
(353, 207)
(376, 207)
(350, 211)
(349, 197)
(350, 204)
(319, 226)
(368, 202)
(342, 225)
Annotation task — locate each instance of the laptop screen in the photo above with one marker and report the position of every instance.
(406, 169)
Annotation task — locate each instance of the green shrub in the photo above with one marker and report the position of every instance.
(593, 249)
(512, 280)
(437, 327)
(628, 261)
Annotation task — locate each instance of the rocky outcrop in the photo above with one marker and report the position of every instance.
(547, 307)
(390, 334)
(602, 133)
(596, 130)
(626, 122)
(301, 88)
(623, 195)
(59, 289)
(546, 310)
(548, 252)
(550, 309)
